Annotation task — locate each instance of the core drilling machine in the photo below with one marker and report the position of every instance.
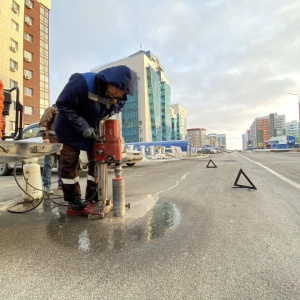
(18, 149)
(107, 150)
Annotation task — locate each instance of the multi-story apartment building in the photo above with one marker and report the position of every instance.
(246, 140)
(212, 140)
(203, 136)
(292, 129)
(173, 124)
(24, 55)
(146, 117)
(196, 137)
(263, 128)
(277, 124)
(260, 132)
(252, 140)
(180, 114)
(166, 112)
(221, 138)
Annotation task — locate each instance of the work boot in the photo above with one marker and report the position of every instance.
(91, 195)
(77, 204)
(48, 190)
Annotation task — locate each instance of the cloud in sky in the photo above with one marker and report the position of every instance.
(228, 61)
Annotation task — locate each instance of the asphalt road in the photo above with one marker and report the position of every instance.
(188, 235)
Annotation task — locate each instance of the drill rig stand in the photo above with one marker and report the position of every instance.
(107, 150)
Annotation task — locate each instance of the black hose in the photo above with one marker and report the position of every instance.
(9, 209)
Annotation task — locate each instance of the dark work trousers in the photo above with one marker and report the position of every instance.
(69, 165)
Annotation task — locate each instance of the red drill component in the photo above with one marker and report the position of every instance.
(89, 210)
(110, 149)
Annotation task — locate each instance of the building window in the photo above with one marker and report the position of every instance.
(13, 83)
(28, 37)
(13, 45)
(15, 25)
(29, 3)
(13, 65)
(28, 91)
(12, 105)
(28, 110)
(28, 20)
(28, 56)
(15, 7)
(28, 74)
(44, 56)
(11, 125)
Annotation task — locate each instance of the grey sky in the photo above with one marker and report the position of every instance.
(227, 61)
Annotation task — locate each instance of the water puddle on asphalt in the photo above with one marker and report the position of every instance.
(145, 221)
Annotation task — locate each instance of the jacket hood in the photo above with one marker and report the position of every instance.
(121, 77)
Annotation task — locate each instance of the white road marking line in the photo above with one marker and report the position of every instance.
(291, 182)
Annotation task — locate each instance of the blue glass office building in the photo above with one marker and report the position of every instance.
(130, 118)
(165, 110)
(146, 115)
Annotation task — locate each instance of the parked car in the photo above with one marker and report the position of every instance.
(129, 157)
(217, 149)
(132, 157)
(208, 151)
(31, 134)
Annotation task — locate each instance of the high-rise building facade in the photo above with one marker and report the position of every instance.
(166, 111)
(212, 139)
(260, 132)
(196, 137)
(24, 55)
(277, 124)
(263, 128)
(173, 124)
(292, 129)
(246, 140)
(221, 138)
(180, 116)
(146, 117)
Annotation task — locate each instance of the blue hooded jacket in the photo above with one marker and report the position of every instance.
(81, 106)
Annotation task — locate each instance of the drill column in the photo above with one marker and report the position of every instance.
(113, 142)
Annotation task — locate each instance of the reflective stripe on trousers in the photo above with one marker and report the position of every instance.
(70, 181)
(69, 160)
(91, 178)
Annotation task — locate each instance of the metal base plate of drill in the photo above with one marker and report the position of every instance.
(90, 209)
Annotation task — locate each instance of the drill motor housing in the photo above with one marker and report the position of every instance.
(110, 148)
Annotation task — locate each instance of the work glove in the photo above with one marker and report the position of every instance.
(90, 133)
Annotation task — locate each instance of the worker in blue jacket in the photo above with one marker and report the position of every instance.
(85, 100)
